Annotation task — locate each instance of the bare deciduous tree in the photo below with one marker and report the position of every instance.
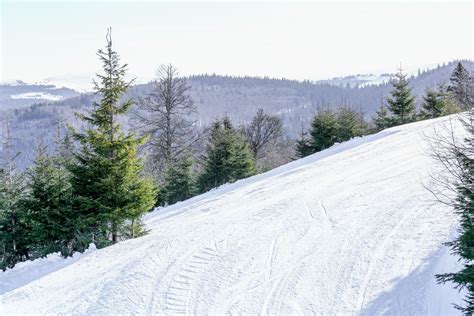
(166, 115)
(262, 130)
(454, 151)
(448, 150)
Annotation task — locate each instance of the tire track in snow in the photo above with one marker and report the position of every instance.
(122, 275)
(324, 212)
(305, 204)
(277, 291)
(288, 277)
(180, 290)
(270, 258)
(376, 256)
(286, 283)
(152, 303)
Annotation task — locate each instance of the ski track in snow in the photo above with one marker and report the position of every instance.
(349, 230)
(376, 255)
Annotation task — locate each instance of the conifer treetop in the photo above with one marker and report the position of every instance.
(402, 102)
(111, 86)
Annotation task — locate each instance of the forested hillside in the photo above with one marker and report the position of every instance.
(295, 102)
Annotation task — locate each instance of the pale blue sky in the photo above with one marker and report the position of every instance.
(293, 40)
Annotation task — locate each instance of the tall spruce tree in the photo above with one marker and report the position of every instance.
(106, 176)
(461, 85)
(401, 104)
(228, 157)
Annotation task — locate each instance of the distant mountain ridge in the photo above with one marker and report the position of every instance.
(358, 81)
(16, 94)
(237, 92)
(215, 96)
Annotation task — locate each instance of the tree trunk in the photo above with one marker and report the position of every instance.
(14, 233)
(114, 232)
(133, 228)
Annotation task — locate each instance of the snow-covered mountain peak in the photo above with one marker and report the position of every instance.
(359, 80)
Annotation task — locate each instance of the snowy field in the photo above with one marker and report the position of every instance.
(350, 230)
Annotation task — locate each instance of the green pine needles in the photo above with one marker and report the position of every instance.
(110, 193)
(228, 157)
(461, 86)
(75, 196)
(329, 127)
(179, 183)
(14, 244)
(401, 103)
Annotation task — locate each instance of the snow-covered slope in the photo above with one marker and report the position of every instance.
(28, 271)
(347, 230)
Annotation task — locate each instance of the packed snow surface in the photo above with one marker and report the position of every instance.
(25, 272)
(351, 229)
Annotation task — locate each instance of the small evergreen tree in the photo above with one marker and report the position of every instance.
(329, 127)
(228, 157)
(48, 206)
(382, 119)
(303, 145)
(324, 130)
(109, 190)
(242, 161)
(179, 183)
(432, 105)
(462, 87)
(217, 152)
(437, 103)
(350, 124)
(402, 103)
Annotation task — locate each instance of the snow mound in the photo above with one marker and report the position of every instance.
(28, 271)
(349, 230)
